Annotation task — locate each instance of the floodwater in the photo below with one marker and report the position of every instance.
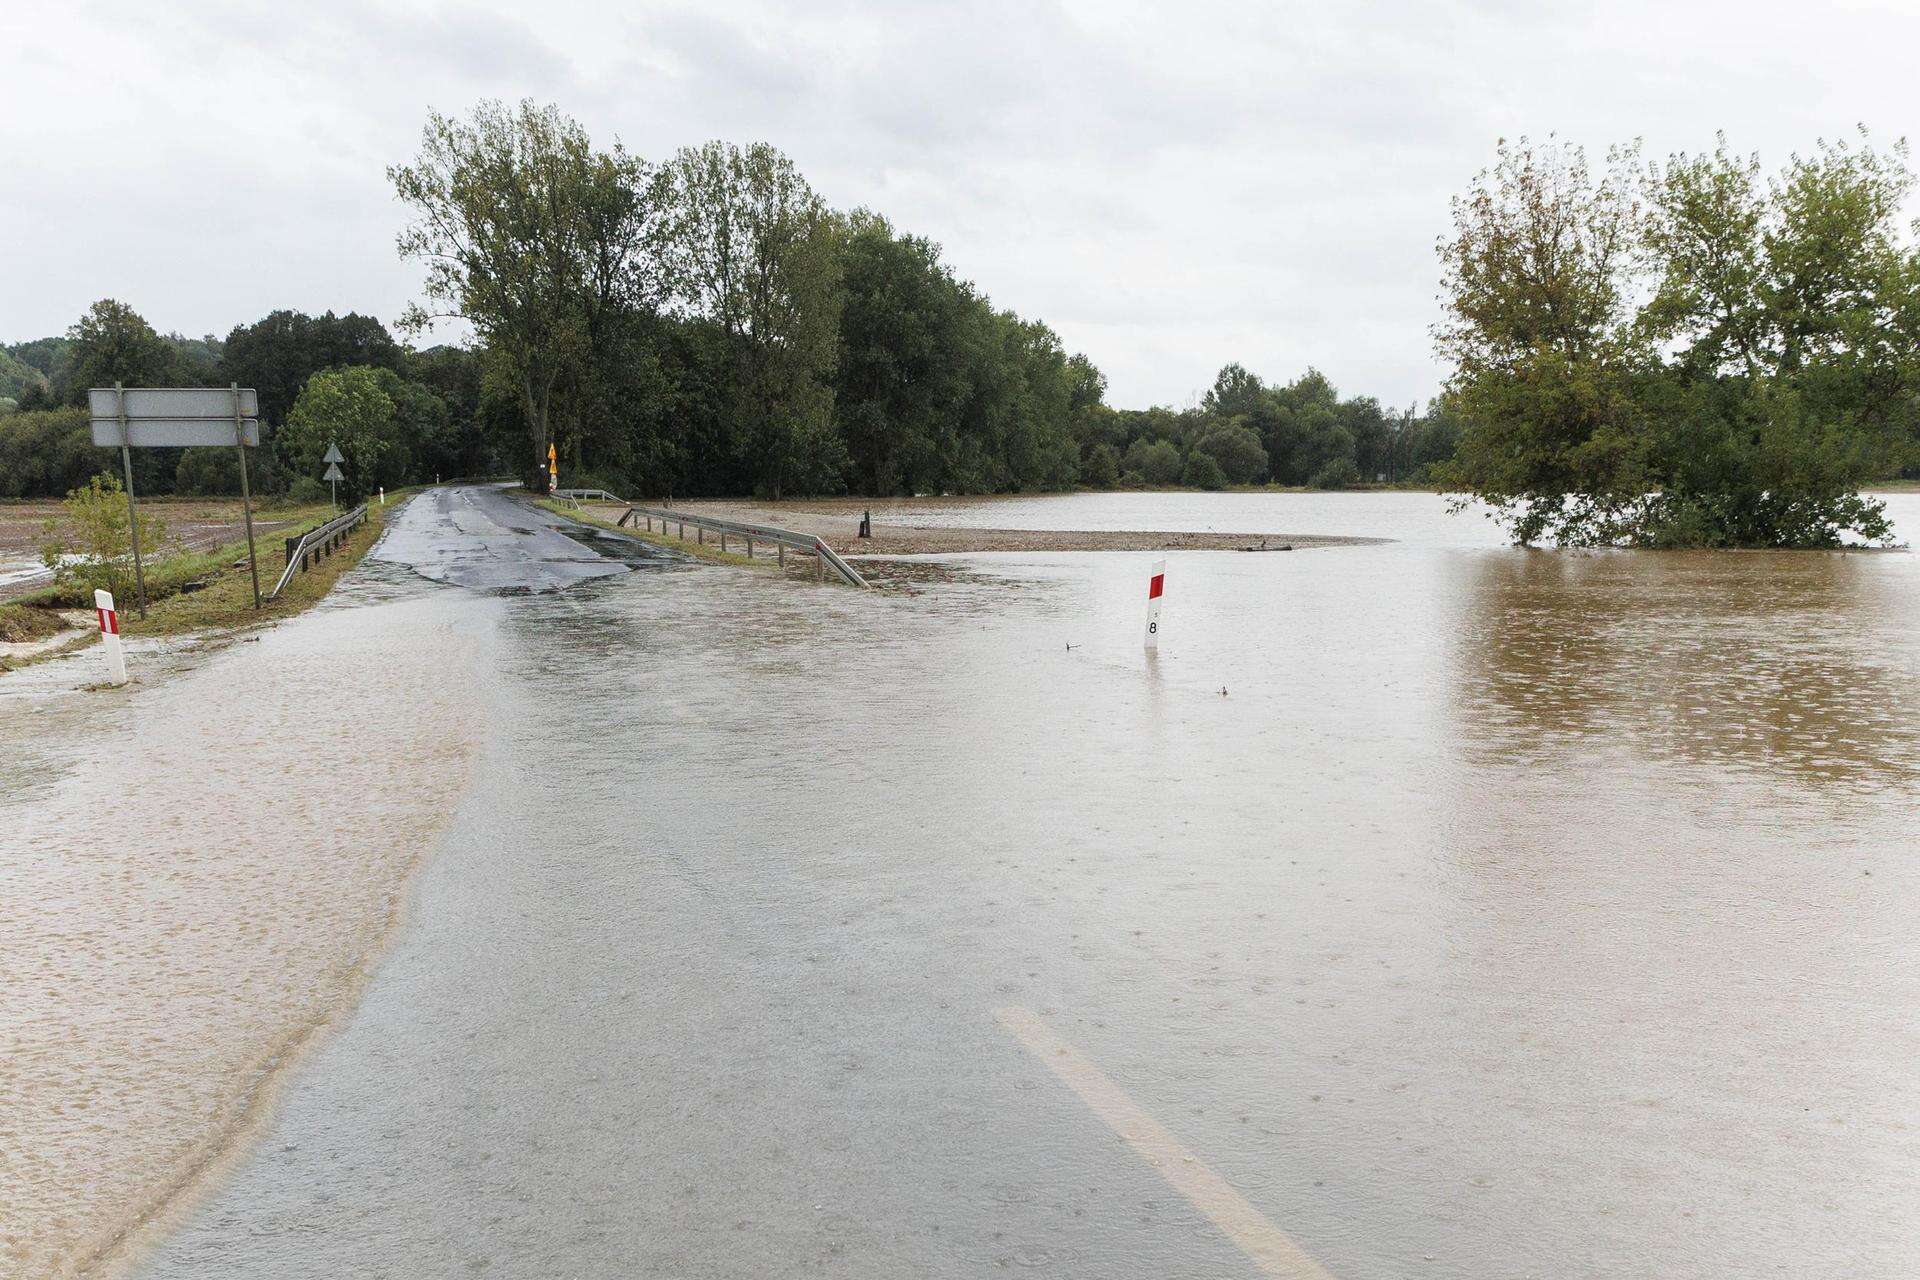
(1453, 911)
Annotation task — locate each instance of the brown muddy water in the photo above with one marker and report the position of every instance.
(1466, 912)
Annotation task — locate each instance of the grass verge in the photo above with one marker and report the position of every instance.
(213, 591)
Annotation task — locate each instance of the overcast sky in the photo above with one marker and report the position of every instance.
(1170, 186)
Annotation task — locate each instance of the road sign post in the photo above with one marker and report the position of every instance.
(334, 475)
(246, 492)
(129, 418)
(133, 518)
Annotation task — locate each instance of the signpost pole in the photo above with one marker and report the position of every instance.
(133, 519)
(246, 494)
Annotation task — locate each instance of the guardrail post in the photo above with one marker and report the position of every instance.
(819, 567)
(781, 549)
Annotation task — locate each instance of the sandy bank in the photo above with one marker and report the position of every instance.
(837, 521)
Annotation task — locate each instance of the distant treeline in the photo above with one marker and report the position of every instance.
(703, 326)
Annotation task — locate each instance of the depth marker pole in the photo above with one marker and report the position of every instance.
(1156, 586)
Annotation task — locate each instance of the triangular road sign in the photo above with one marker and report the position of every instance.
(333, 454)
(333, 473)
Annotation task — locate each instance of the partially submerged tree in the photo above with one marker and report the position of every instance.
(1685, 355)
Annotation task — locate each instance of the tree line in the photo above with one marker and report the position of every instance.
(701, 326)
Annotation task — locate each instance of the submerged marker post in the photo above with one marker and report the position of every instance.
(110, 637)
(1156, 587)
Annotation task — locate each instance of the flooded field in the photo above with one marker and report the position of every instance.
(1423, 909)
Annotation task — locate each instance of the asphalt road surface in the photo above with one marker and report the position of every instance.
(488, 537)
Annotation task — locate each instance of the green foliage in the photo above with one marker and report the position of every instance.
(112, 343)
(208, 472)
(1236, 451)
(17, 378)
(350, 409)
(1683, 355)
(1157, 462)
(1203, 472)
(44, 452)
(276, 354)
(97, 554)
(1337, 473)
(1102, 467)
(754, 250)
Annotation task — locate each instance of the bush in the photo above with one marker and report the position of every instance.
(1132, 480)
(1157, 461)
(1238, 451)
(305, 491)
(47, 452)
(1340, 473)
(207, 472)
(1103, 467)
(1203, 472)
(99, 554)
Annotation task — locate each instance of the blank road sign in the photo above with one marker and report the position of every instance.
(168, 417)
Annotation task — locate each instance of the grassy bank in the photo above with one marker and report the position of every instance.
(213, 590)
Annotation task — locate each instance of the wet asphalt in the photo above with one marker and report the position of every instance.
(490, 538)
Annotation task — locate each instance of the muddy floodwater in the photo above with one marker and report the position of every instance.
(1454, 911)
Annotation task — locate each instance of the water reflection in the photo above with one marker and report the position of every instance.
(1785, 663)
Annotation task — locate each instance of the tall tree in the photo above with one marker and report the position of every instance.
(754, 250)
(506, 205)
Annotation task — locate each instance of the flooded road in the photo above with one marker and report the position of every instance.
(1419, 911)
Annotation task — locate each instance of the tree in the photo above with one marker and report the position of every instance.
(1203, 472)
(754, 250)
(1237, 451)
(351, 409)
(1538, 330)
(98, 553)
(512, 211)
(112, 343)
(1235, 393)
(276, 354)
(1770, 370)
(1157, 462)
(902, 376)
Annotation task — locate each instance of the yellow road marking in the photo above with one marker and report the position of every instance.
(1270, 1248)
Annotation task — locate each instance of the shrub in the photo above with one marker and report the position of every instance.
(1103, 467)
(1157, 461)
(1339, 473)
(207, 472)
(99, 554)
(1203, 472)
(1242, 458)
(306, 491)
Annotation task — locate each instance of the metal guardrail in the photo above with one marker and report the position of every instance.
(783, 539)
(318, 542)
(578, 496)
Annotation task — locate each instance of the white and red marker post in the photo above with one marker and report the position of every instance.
(1156, 587)
(110, 637)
